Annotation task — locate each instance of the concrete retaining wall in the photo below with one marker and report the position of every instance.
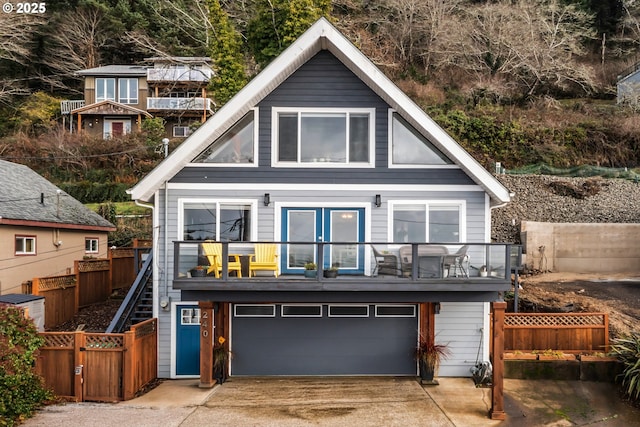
(581, 248)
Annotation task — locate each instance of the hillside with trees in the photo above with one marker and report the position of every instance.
(519, 82)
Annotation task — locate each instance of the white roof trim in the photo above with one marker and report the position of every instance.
(321, 35)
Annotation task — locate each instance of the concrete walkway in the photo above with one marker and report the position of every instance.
(351, 401)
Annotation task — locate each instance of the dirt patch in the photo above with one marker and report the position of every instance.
(615, 294)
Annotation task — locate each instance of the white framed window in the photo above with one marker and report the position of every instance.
(91, 245)
(105, 89)
(409, 148)
(348, 310)
(254, 310)
(329, 137)
(237, 146)
(389, 310)
(25, 245)
(427, 221)
(181, 131)
(128, 90)
(189, 316)
(219, 220)
(301, 310)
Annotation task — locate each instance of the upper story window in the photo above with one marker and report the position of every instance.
(91, 245)
(236, 146)
(437, 222)
(324, 137)
(408, 147)
(105, 89)
(231, 221)
(25, 245)
(128, 91)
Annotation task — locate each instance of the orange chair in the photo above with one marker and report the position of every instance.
(213, 252)
(265, 258)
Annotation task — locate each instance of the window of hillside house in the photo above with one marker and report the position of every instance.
(91, 245)
(217, 221)
(105, 89)
(128, 91)
(411, 148)
(234, 146)
(324, 137)
(421, 222)
(25, 245)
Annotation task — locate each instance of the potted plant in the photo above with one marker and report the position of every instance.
(220, 360)
(310, 269)
(199, 271)
(429, 354)
(331, 273)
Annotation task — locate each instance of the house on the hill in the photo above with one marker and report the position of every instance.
(117, 98)
(43, 229)
(322, 159)
(628, 86)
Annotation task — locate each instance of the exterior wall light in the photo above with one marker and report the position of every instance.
(378, 201)
(267, 199)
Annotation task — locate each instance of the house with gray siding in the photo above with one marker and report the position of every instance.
(323, 157)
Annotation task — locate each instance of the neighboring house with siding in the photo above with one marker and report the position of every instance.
(628, 86)
(323, 150)
(117, 98)
(42, 228)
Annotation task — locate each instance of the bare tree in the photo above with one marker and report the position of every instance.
(536, 45)
(75, 45)
(17, 34)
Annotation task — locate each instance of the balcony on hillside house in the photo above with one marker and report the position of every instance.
(178, 75)
(196, 104)
(69, 105)
(363, 266)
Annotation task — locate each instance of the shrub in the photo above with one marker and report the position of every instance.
(21, 389)
(627, 350)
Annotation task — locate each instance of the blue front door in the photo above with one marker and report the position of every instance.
(187, 340)
(328, 225)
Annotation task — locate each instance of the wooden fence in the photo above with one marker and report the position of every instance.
(84, 366)
(566, 332)
(92, 282)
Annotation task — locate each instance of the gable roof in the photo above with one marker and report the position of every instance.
(320, 36)
(110, 107)
(28, 199)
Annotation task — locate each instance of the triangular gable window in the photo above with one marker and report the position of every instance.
(235, 146)
(411, 148)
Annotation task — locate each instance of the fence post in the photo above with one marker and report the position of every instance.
(79, 341)
(76, 267)
(497, 387)
(128, 369)
(35, 286)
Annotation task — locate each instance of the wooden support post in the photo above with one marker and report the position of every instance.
(497, 388)
(206, 344)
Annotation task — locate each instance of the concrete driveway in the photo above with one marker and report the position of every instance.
(351, 402)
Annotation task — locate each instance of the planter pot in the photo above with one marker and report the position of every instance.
(520, 356)
(330, 274)
(198, 273)
(310, 273)
(427, 374)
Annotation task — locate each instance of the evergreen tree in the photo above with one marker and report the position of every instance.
(278, 23)
(227, 54)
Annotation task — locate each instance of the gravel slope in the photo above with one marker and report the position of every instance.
(547, 198)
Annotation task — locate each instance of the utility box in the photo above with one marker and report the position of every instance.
(32, 304)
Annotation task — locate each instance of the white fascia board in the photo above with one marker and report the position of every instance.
(373, 188)
(321, 35)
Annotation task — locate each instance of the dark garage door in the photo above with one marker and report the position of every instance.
(321, 339)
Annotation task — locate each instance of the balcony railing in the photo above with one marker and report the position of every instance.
(67, 106)
(169, 104)
(362, 262)
(178, 75)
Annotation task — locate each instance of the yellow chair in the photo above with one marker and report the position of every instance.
(213, 252)
(264, 259)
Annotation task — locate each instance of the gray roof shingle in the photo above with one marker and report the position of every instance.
(27, 196)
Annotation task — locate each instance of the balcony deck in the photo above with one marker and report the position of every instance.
(409, 279)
